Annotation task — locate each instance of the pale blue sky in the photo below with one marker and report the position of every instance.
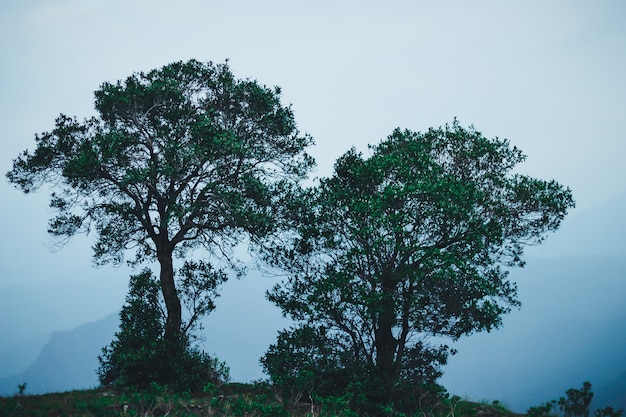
(549, 76)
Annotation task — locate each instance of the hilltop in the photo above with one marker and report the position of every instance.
(230, 400)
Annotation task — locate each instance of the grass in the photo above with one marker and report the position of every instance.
(230, 400)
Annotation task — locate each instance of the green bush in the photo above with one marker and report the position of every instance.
(303, 363)
(310, 364)
(576, 403)
(140, 356)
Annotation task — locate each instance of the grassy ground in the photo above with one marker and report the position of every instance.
(229, 400)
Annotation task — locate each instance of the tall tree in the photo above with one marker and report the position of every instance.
(413, 241)
(179, 157)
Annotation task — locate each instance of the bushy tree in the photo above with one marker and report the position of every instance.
(576, 403)
(182, 156)
(305, 361)
(410, 242)
(140, 356)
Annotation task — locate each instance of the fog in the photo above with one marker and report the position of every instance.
(549, 76)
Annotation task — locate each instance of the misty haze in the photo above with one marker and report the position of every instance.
(547, 77)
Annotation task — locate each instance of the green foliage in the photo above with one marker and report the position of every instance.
(543, 410)
(233, 399)
(75, 403)
(180, 152)
(305, 362)
(180, 157)
(608, 412)
(576, 403)
(198, 283)
(140, 355)
(410, 242)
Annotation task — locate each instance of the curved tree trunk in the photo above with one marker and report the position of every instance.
(173, 323)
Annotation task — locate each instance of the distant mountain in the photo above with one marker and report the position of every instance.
(16, 358)
(238, 332)
(572, 324)
(68, 361)
(571, 328)
(61, 302)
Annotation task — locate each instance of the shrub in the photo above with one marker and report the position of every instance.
(311, 364)
(575, 404)
(303, 363)
(140, 356)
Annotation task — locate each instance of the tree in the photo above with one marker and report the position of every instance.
(414, 241)
(138, 357)
(133, 358)
(179, 157)
(576, 403)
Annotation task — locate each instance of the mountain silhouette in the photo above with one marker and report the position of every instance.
(68, 361)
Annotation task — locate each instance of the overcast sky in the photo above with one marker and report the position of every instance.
(548, 75)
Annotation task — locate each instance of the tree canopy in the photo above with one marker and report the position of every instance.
(413, 241)
(179, 157)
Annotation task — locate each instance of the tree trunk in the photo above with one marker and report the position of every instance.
(386, 344)
(173, 323)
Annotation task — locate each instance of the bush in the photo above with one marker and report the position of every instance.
(302, 364)
(575, 404)
(310, 364)
(139, 356)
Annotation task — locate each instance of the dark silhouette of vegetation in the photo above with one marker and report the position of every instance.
(576, 403)
(410, 242)
(179, 157)
(230, 400)
(141, 356)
